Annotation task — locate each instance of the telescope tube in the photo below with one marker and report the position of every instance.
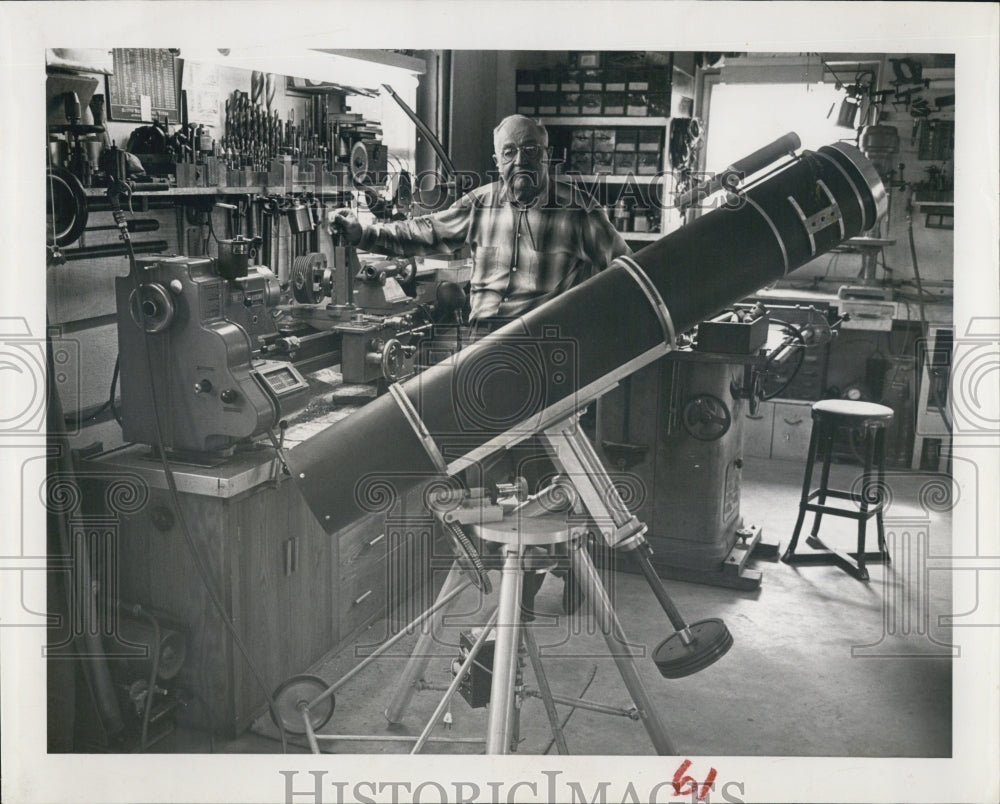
(558, 357)
(747, 166)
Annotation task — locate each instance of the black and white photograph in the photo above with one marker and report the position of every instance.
(500, 402)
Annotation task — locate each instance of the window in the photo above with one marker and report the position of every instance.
(745, 117)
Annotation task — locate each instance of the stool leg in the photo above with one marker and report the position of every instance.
(880, 464)
(587, 575)
(866, 479)
(807, 480)
(500, 726)
(825, 454)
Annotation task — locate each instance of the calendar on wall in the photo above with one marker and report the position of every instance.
(145, 84)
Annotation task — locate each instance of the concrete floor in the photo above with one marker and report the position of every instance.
(822, 664)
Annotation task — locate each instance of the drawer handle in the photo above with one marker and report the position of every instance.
(759, 416)
(359, 600)
(375, 541)
(794, 422)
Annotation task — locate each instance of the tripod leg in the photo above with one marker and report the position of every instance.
(587, 575)
(544, 690)
(417, 662)
(505, 655)
(456, 682)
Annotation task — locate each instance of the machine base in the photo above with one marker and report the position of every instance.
(733, 572)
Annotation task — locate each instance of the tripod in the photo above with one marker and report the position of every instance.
(525, 534)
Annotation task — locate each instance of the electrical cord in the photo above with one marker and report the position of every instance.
(168, 473)
(147, 708)
(799, 346)
(114, 387)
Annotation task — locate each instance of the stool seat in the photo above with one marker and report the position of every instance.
(852, 412)
(829, 415)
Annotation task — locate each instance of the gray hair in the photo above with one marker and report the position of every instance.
(519, 118)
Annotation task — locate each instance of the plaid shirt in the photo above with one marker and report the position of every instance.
(521, 257)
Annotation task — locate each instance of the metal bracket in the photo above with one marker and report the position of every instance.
(828, 216)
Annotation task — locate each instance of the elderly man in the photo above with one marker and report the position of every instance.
(532, 237)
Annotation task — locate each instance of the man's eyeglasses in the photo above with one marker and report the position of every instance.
(509, 153)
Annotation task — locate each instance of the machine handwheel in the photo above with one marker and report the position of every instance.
(706, 417)
(407, 271)
(393, 360)
(292, 696)
(151, 307)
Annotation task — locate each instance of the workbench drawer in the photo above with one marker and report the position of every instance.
(363, 543)
(362, 596)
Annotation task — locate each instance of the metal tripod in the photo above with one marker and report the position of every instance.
(688, 649)
(525, 534)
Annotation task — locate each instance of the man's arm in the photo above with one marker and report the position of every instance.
(429, 234)
(601, 241)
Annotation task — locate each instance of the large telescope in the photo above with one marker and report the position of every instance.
(541, 368)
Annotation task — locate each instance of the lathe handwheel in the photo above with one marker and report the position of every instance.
(152, 308)
(291, 698)
(407, 271)
(393, 360)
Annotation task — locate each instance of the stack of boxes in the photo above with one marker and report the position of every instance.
(592, 86)
(636, 150)
(590, 91)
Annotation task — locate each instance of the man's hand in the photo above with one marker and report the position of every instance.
(347, 223)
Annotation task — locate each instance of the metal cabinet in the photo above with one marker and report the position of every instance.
(792, 428)
(758, 431)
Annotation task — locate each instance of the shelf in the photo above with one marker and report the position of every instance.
(597, 120)
(607, 178)
(173, 192)
(180, 192)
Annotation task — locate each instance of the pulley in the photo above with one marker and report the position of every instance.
(65, 207)
(361, 159)
(312, 279)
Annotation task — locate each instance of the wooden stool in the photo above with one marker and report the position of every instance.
(828, 415)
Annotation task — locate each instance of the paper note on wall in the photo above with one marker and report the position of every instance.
(203, 93)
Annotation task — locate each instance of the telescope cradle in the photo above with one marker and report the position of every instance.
(525, 537)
